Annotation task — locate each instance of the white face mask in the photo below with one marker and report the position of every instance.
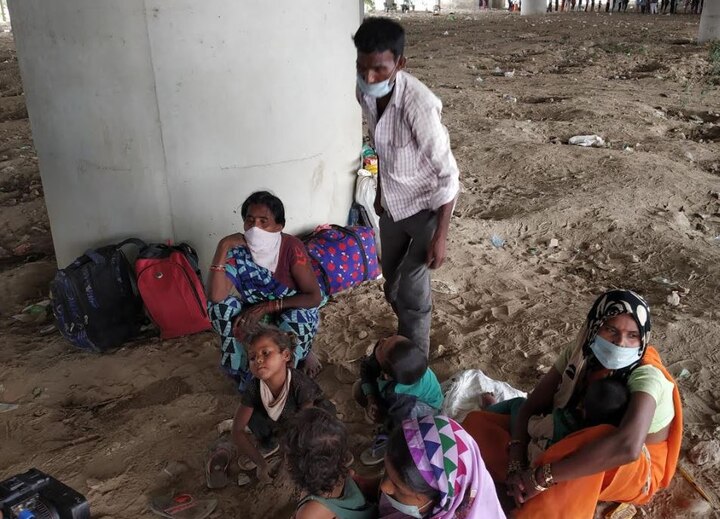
(409, 510)
(264, 247)
(612, 356)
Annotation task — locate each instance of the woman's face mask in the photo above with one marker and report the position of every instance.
(612, 356)
(258, 238)
(409, 510)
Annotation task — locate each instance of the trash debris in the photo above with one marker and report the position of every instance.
(446, 33)
(362, 335)
(705, 452)
(674, 298)
(509, 98)
(497, 71)
(497, 241)
(635, 258)
(554, 243)
(621, 511)
(35, 313)
(586, 141)
(684, 473)
(509, 73)
(37, 392)
(664, 281)
(684, 374)
(478, 79)
(4, 407)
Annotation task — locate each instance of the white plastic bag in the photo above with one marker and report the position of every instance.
(588, 141)
(365, 189)
(463, 391)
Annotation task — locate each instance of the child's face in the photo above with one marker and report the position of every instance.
(266, 359)
(383, 349)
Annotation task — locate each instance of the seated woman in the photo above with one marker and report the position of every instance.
(262, 275)
(627, 463)
(433, 469)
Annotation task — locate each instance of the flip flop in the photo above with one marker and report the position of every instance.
(182, 506)
(217, 465)
(247, 464)
(375, 454)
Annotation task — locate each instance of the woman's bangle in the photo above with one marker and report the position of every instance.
(217, 268)
(514, 467)
(534, 481)
(547, 475)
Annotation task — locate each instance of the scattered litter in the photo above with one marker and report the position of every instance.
(705, 452)
(554, 243)
(684, 473)
(586, 141)
(225, 426)
(36, 313)
(674, 298)
(478, 79)
(497, 241)
(443, 287)
(362, 335)
(4, 407)
(628, 148)
(664, 281)
(509, 73)
(497, 71)
(635, 258)
(689, 156)
(37, 392)
(446, 33)
(621, 511)
(509, 98)
(684, 374)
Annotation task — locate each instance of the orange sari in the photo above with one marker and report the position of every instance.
(634, 482)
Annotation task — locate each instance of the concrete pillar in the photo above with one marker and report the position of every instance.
(710, 22)
(533, 7)
(156, 118)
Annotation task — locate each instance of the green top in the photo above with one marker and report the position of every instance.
(647, 379)
(426, 390)
(350, 505)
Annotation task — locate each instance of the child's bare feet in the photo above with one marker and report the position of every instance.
(311, 365)
(487, 399)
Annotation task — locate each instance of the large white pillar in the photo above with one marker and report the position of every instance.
(710, 21)
(156, 118)
(533, 7)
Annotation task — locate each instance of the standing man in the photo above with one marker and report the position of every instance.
(418, 178)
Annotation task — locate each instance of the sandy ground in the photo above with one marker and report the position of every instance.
(642, 213)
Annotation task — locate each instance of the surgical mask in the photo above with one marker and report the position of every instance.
(376, 90)
(409, 510)
(612, 356)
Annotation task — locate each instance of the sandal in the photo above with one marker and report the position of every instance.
(247, 464)
(375, 454)
(217, 465)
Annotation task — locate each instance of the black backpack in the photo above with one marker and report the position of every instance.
(95, 301)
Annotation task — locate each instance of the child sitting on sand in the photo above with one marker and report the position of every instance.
(395, 384)
(272, 398)
(316, 452)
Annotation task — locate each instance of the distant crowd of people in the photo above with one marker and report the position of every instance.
(642, 6)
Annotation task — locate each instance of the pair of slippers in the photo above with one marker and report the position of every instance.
(219, 459)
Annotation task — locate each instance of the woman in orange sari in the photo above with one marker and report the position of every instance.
(628, 463)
